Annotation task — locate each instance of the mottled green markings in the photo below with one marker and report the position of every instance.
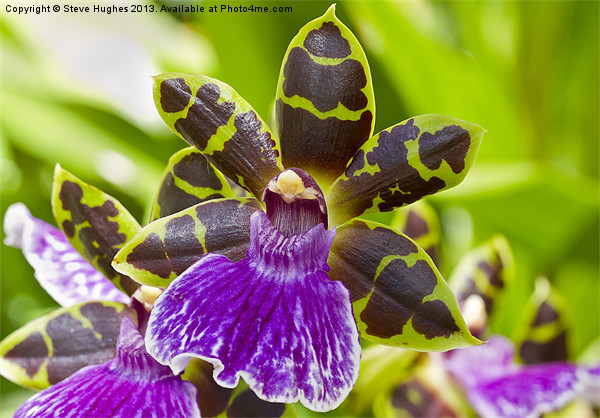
(404, 163)
(53, 347)
(166, 247)
(484, 271)
(420, 223)
(212, 117)
(96, 224)
(399, 297)
(325, 105)
(544, 336)
(189, 179)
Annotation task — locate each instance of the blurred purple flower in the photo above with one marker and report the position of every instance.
(497, 386)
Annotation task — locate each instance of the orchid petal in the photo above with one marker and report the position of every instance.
(399, 297)
(132, 384)
(53, 347)
(475, 365)
(211, 116)
(402, 164)
(495, 386)
(188, 179)
(96, 224)
(325, 104)
(165, 248)
(484, 271)
(59, 268)
(273, 318)
(420, 223)
(544, 333)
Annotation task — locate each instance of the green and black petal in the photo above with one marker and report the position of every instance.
(189, 179)
(211, 116)
(96, 224)
(51, 348)
(325, 107)
(400, 165)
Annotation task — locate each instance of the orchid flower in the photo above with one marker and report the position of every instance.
(494, 383)
(74, 347)
(496, 386)
(88, 356)
(277, 288)
(132, 384)
(85, 330)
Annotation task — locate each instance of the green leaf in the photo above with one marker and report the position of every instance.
(188, 180)
(57, 135)
(96, 224)
(325, 106)
(211, 116)
(165, 248)
(53, 347)
(398, 166)
(469, 73)
(398, 295)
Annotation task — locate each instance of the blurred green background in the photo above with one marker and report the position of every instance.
(76, 90)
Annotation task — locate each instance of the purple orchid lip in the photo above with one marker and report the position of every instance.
(295, 202)
(273, 318)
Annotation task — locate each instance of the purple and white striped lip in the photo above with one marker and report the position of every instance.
(274, 319)
(295, 202)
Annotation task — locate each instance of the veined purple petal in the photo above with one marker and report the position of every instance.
(526, 391)
(273, 318)
(531, 391)
(59, 268)
(132, 384)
